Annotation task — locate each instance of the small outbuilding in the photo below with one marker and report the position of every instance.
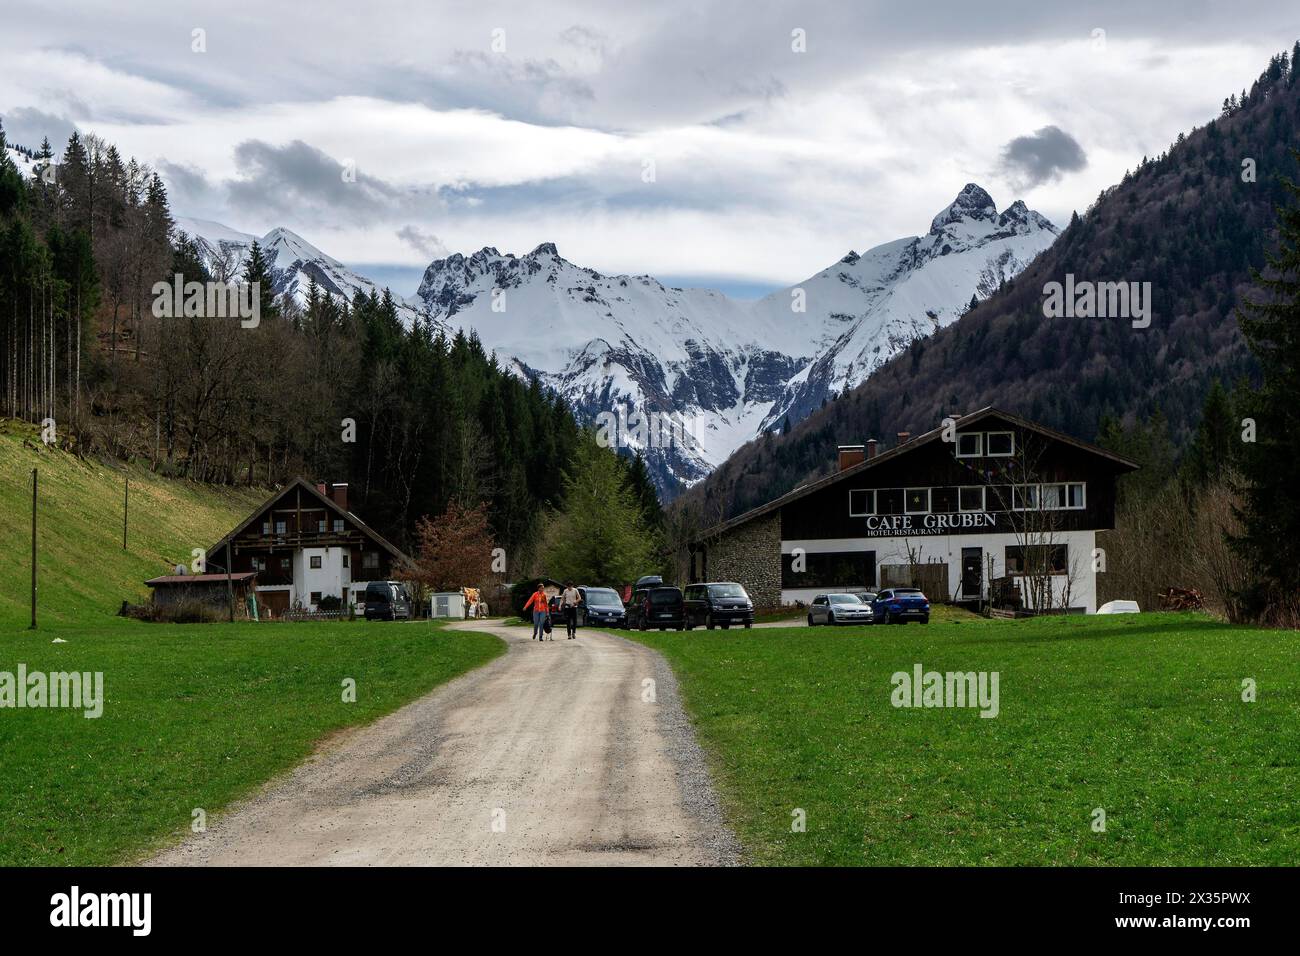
(214, 590)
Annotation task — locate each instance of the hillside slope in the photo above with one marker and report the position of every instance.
(1189, 223)
(83, 573)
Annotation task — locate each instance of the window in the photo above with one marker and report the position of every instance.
(1063, 496)
(266, 527)
(259, 564)
(346, 558)
(970, 444)
(971, 498)
(918, 501)
(286, 564)
(889, 501)
(1024, 497)
(1074, 496)
(370, 560)
(1053, 497)
(320, 526)
(315, 560)
(279, 527)
(315, 597)
(999, 444)
(829, 569)
(338, 525)
(862, 502)
(1036, 559)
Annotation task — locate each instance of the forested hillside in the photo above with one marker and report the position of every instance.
(1193, 222)
(334, 390)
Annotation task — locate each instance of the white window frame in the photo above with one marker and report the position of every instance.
(907, 492)
(1083, 495)
(1042, 496)
(976, 435)
(281, 527)
(1007, 454)
(338, 525)
(962, 509)
(871, 499)
(1033, 506)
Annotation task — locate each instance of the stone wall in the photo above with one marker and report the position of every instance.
(750, 555)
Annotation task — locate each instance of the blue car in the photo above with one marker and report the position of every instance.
(900, 605)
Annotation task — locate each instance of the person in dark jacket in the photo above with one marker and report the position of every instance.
(570, 598)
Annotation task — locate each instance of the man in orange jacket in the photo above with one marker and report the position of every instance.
(540, 607)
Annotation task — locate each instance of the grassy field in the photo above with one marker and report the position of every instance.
(83, 573)
(195, 715)
(1141, 716)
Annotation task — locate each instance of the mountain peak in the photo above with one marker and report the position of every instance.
(971, 203)
(546, 249)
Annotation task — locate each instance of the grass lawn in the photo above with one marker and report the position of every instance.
(195, 716)
(83, 573)
(1140, 715)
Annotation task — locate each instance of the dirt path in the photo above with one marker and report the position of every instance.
(564, 752)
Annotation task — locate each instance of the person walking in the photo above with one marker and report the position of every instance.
(538, 604)
(571, 598)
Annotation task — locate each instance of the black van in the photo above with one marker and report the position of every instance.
(659, 607)
(387, 601)
(720, 604)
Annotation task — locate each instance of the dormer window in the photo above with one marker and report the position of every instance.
(970, 444)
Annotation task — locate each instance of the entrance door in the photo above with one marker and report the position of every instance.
(972, 573)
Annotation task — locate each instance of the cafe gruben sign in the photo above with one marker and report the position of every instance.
(883, 526)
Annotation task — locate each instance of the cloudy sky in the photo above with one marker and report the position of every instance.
(735, 144)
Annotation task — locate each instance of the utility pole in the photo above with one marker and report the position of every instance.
(126, 505)
(230, 588)
(33, 627)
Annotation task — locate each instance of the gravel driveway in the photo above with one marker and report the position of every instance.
(564, 753)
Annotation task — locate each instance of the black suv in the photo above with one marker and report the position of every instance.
(657, 606)
(724, 604)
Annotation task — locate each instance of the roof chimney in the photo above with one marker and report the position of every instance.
(904, 437)
(871, 448)
(851, 455)
(322, 488)
(340, 494)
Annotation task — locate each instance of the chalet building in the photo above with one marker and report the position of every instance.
(990, 507)
(305, 545)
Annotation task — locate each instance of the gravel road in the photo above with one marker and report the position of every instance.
(557, 753)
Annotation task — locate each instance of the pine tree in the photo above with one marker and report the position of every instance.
(256, 271)
(1271, 463)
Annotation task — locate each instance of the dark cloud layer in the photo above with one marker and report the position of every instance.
(1042, 156)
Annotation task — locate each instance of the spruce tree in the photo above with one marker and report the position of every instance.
(1271, 463)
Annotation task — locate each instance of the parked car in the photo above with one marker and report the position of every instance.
(648, 581)
(718, 604)
(601, 607)
(660, 607)
(900, 605)
(866, 597)
(839, 608)
(387, 601)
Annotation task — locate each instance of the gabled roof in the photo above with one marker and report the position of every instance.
(329, 504)
(934, 434)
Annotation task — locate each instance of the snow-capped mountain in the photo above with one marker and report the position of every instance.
(27, 167)
(867, 307)
(731, 370)
(290, 259)
(716, 371)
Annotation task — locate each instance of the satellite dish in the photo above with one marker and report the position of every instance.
(180, 569)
